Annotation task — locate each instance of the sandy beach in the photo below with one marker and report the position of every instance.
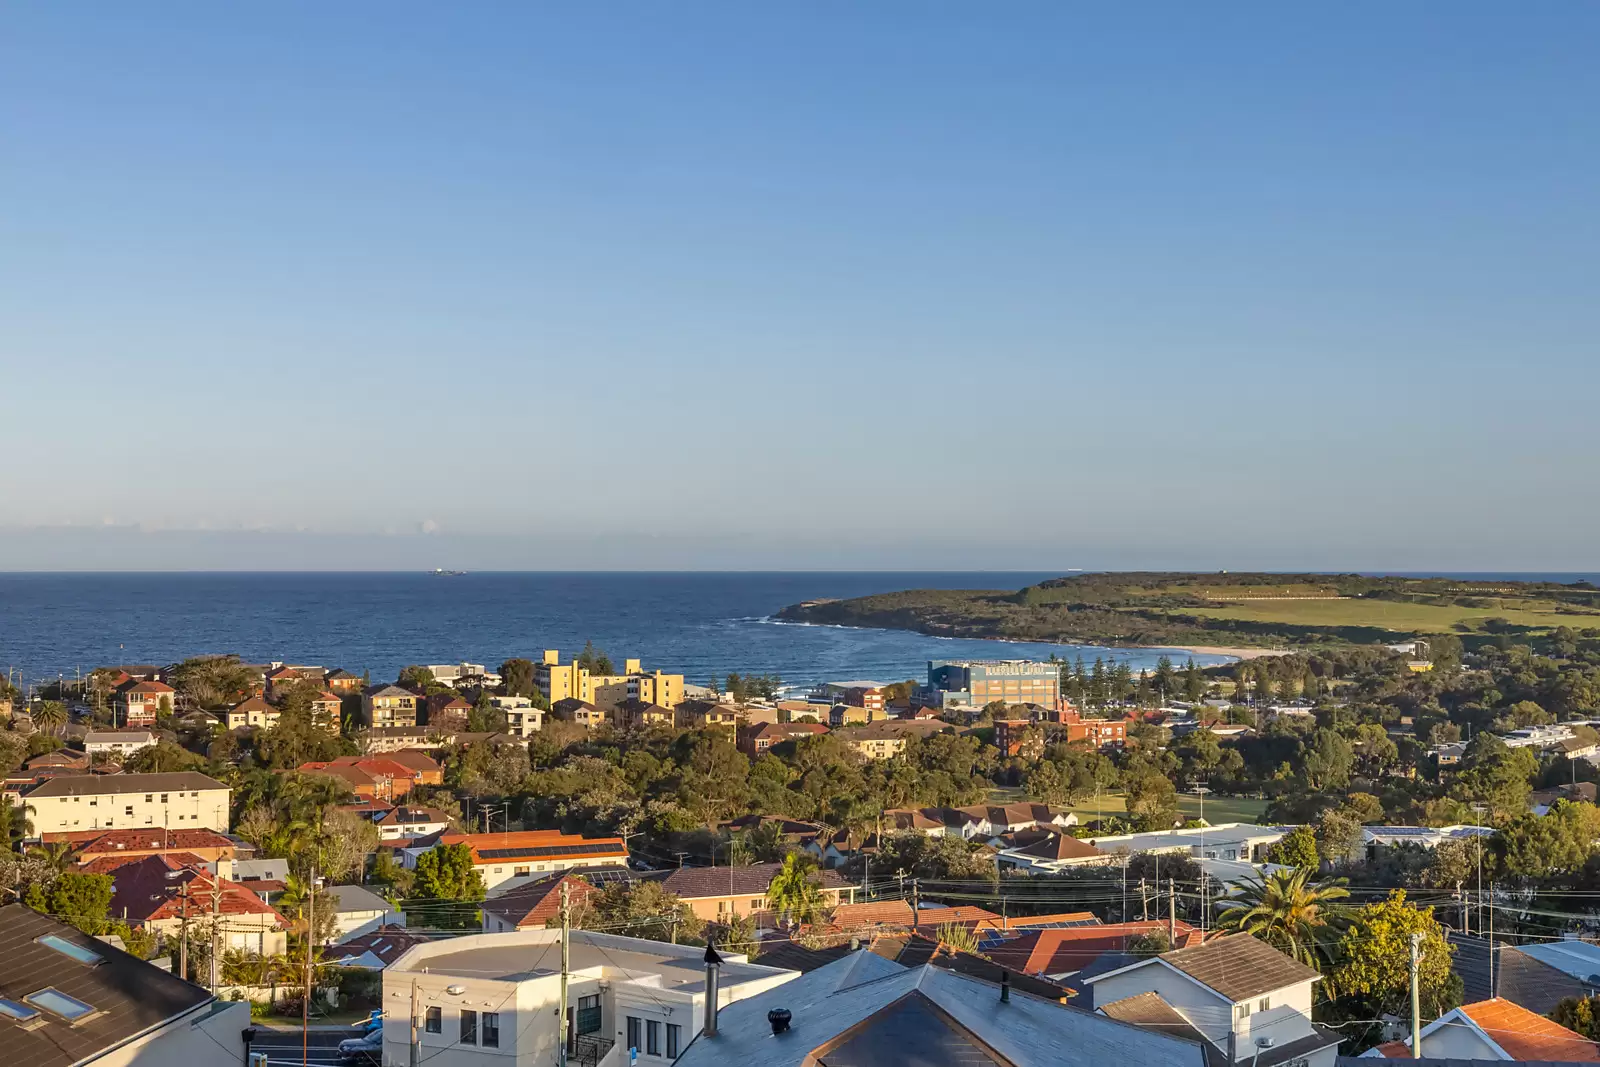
(1236, 653)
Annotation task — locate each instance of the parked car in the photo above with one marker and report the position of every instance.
(368, 1048)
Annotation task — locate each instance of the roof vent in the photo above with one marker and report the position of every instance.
(779, 1018)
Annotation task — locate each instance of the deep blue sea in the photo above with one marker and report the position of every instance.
(700, 624)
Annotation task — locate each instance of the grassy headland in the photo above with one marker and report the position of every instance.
(1256, 610)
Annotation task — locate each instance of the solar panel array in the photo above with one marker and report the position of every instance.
(539, 852)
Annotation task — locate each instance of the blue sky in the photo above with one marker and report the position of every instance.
(654, 285)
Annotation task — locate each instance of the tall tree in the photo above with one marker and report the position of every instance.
(795, 892)
(1298, 917)
(517, 677)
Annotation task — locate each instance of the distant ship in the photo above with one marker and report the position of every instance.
(440, 572)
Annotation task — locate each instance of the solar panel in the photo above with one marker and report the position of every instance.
(542, 850)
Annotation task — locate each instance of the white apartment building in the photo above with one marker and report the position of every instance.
(492, 1000)
(454, 674)
(522, 718)
(182, 800)
(117, 742)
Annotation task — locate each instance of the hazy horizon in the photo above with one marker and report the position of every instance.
(410, 286)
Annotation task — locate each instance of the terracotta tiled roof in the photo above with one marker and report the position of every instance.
(1062, 847)
(872, 913)
(144, 892)
(1026, 921)
(388, 943)
(1070, 949)
(535, 845)
(531, 905)
(112, 864)
(149, 687)
(112, 842)
(1527, 1036)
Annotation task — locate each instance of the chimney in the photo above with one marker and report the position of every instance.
(713, 975)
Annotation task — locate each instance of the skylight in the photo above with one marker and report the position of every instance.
(70, 948)
(19, 1012)
(58, 1003)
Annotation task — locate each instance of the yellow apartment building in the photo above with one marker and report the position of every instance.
(561, 681)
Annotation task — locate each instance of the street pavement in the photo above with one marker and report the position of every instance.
(283, 1046)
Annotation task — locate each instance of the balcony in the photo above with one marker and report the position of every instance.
(589, 1049)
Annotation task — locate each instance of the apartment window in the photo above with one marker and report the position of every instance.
(93, 803)
(1244, 1010)
(469, 1027)
(722, 905)
(163, 798)
(522, 871)
(633, 1032)
(756, 904)
(147, 798)
(1266, 1002)
(652, 1037)
(491, 1029)
(674, 1032)
(128, 810)
(433, 1022)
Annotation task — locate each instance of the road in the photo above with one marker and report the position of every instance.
(283, 1046)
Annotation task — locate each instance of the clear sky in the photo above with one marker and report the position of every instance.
(895, 284)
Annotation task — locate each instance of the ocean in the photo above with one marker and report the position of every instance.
(698, 624)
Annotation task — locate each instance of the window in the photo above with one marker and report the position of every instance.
(1266, 1002)
(70, 948)
(491, 1029)
(469, 1027)
(147, 798)
(633, 1033)
(128, 810)
(58, 1003)
(163, 798)
(522, 872)
(433, 1021)
(19, 1012)
(653, 1033)
(588, 1017)
(722, 907)
(673, 1037)
(94, 803)
(1244, 1010)
(756, 904)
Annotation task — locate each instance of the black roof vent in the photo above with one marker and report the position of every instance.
(711, 952)
(779, 1018)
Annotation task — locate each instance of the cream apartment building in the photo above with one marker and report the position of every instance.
(182, 800)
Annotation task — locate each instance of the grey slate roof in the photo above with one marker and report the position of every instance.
(356, 898)
(129, 995)
(863, 998)
(102, 784)
(1239, 966)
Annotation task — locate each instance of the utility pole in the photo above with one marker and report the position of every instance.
(183, 936)
(311, 939)
(1172, 914)
(216, 924)
(916, 903)
(1144, 903)
(416, 1036)
(1416, 998)
(561, 1053)
(1491, 943)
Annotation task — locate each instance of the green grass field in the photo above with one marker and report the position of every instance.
(1400, 617)
(1218, 809)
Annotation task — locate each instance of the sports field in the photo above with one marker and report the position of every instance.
(1218, 809)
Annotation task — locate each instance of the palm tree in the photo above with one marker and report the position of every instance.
(51, 715)
(792, 893)
(1288, 911)
(15, 826)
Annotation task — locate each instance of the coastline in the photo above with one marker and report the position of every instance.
(1223, 650)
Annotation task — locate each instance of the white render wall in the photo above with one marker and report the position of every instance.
(186, 809)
